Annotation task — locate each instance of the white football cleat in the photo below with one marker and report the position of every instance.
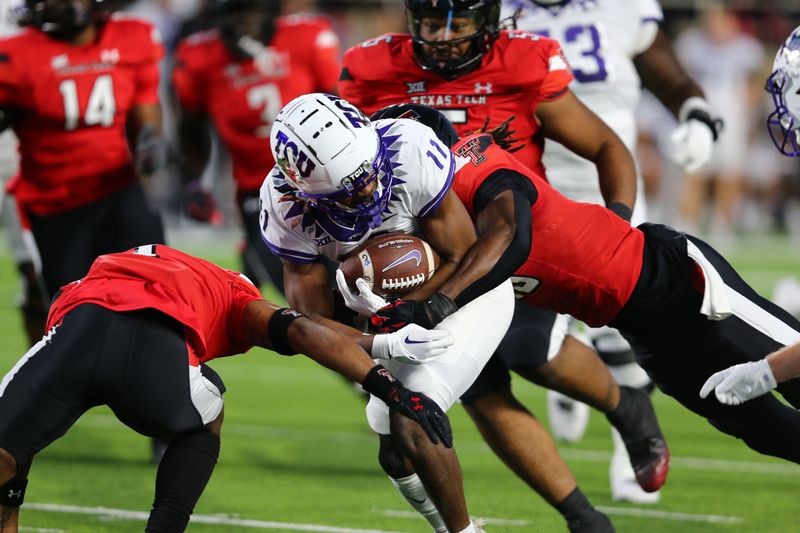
(568, 417)
(624, 487)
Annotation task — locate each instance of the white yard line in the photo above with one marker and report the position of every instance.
(124, 514)
(621, 511)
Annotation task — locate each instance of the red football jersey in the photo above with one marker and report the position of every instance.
(205, 298)
(242, 97)
(584, 259)
(75, 101)
(519, 71)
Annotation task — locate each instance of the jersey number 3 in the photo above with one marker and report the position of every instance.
(100, 109)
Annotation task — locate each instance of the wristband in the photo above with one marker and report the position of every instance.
(380, 383)
(438, 307)
(12, 493)
(696, 108)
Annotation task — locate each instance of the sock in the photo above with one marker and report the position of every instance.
(414, 492)
(575, 507)
(182, 475)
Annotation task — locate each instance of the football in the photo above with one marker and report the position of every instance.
(392, 265)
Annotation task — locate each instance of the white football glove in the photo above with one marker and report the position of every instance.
(411, 345)
(692, 141)
(740, 383)
(363, 301)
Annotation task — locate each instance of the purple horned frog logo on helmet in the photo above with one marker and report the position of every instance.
(293, 161)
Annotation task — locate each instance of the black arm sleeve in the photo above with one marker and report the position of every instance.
(525, 195)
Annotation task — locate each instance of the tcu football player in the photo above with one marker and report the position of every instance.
(72, 82)
(610, 66)
(340, 179)
(166, 314)
(685, 311)
(743, 382)
(237, 77)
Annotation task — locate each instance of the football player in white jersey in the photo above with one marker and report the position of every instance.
(614, 47)
(341, 179)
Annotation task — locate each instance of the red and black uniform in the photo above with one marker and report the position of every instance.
(520, 71)
(242, 96)
(73, 104)
(134, 334)
(583, 260)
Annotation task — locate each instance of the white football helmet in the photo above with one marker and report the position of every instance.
(784, 85)
(328, 150)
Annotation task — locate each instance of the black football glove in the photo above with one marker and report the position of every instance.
(414, 405)
(200, 204)
(401, 313)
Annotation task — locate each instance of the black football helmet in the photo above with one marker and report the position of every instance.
(484, 13)
(63, 19)
(433, 118)
(242, 18)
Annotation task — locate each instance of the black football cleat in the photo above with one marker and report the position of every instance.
(596, 523)
(636, 421)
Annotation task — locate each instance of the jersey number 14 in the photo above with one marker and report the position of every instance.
(100, 109)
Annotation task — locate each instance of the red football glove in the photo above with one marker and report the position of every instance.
(400, 313)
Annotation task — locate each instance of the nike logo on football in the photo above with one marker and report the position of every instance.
(413, 255)
(409, 341)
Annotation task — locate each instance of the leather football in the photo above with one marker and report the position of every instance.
(392, 265)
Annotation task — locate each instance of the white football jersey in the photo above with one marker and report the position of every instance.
(423, 170)
(600, 38)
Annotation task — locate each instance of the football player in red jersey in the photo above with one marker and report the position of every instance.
(164, 315)
(680, 304)
(237, 77)
(72, 83)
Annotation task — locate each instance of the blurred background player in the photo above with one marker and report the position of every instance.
(456, 59)
(727, 62)
(237, 77)
(76, 83)
(31, 301)
(610, 68)
(339, 179)
(167, 314)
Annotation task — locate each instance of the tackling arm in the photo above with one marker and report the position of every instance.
(150, 147)
(569, 122)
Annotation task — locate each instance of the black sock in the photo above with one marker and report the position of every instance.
(182, 475)
(621, 414)
(575, 507)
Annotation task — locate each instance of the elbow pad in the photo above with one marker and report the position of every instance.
(512, 258)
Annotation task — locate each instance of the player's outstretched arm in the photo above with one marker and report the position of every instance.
(569, 122)
(663, 75)
(287, 332)
(740, 383)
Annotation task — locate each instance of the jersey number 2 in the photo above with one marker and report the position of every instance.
(100, 109)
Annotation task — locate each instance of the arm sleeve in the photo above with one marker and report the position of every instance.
(525, 195)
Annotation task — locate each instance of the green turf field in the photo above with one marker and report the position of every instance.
(297, 455)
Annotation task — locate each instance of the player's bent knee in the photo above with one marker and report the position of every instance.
(391, 459)
(408, 435)
(215, 426)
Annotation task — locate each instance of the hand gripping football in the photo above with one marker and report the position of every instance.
(392, 265)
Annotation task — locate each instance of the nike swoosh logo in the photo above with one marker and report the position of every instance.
(409, 341)
(413, 255)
